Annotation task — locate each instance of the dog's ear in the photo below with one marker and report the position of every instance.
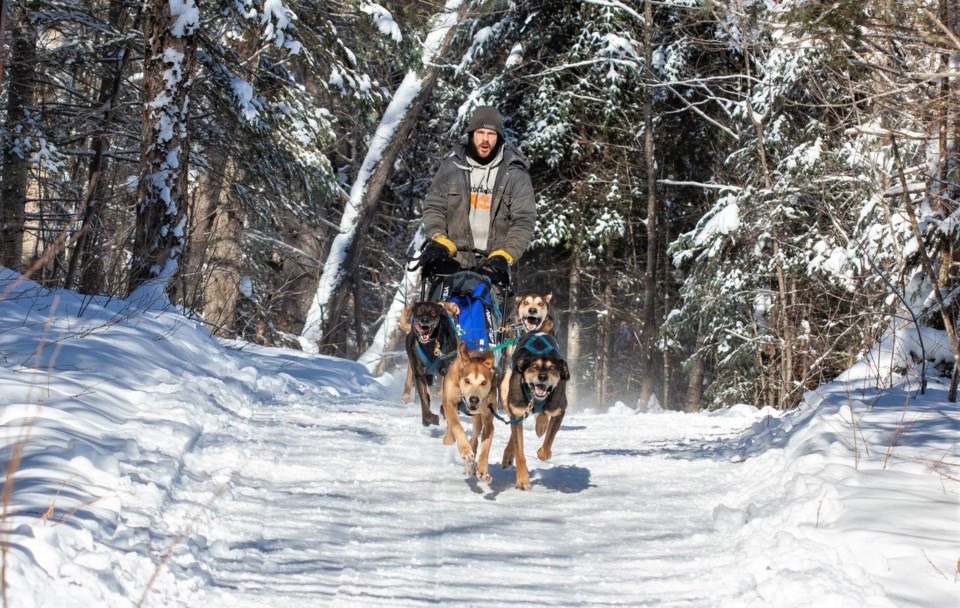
(463, 351)
(521, 360)
(564, 370)
(405, 325)
(488, 358)
(452, 308)
(548, 297)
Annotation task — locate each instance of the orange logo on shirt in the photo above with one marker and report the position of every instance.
(481, 200)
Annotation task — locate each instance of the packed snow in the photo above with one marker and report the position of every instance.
(154, 464)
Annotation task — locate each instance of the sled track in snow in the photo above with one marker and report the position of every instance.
(356, 504)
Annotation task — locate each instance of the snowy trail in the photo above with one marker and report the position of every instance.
(356, 504)
(163, 467)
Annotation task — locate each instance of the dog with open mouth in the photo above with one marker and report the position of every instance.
(533, 312)
(533, 315)
(431, 345)
(469, 387)
(536, 386)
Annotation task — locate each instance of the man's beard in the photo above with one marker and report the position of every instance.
(473, 153)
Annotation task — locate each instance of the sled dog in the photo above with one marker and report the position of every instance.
(538, 386)
(431, 345)
(533, 312)
(469, 384)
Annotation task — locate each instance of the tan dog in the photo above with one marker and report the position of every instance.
(431, 344)
(470, 382)
(538, 385)
(533, 312)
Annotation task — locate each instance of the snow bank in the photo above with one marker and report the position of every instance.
(100, 404)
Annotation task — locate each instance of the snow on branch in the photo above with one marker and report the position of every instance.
(618, 5)
(383, 19)
(670, 182)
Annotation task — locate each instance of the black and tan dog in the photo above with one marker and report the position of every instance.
(537, 385)
(431, 346)
(470, 382)
(533, 314)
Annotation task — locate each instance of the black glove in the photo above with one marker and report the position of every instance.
(433, 251)
(435, 259)
(498, 269)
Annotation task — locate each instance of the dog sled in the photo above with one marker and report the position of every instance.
(480, 321)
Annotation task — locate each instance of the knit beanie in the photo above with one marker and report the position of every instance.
(486, 117)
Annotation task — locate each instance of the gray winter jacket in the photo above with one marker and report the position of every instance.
(513, 215)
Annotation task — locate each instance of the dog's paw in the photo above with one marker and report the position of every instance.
(523, 484)
(406, 398)
(432, 420)
(544, 454)
(469, 466)
(484, 476)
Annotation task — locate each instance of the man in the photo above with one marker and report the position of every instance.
(482, 198)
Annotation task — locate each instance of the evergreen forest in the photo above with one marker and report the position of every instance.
(737, 199)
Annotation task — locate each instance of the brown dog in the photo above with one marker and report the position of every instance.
(431, 345)
(470, 382)
(537, 385)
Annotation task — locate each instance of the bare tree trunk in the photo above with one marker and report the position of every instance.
(785, 388)
(299, 275)
(16, 167)
(698, 370)
(221, 287)
(164, 149)
(3, 40)
(573, 329)
(215, 245)
(650, 328)
(951, 16)
(603, 356)
(949, 323)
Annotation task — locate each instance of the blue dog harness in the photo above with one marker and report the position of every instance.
(538, 344)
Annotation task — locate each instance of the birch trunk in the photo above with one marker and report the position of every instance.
(340, 272)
